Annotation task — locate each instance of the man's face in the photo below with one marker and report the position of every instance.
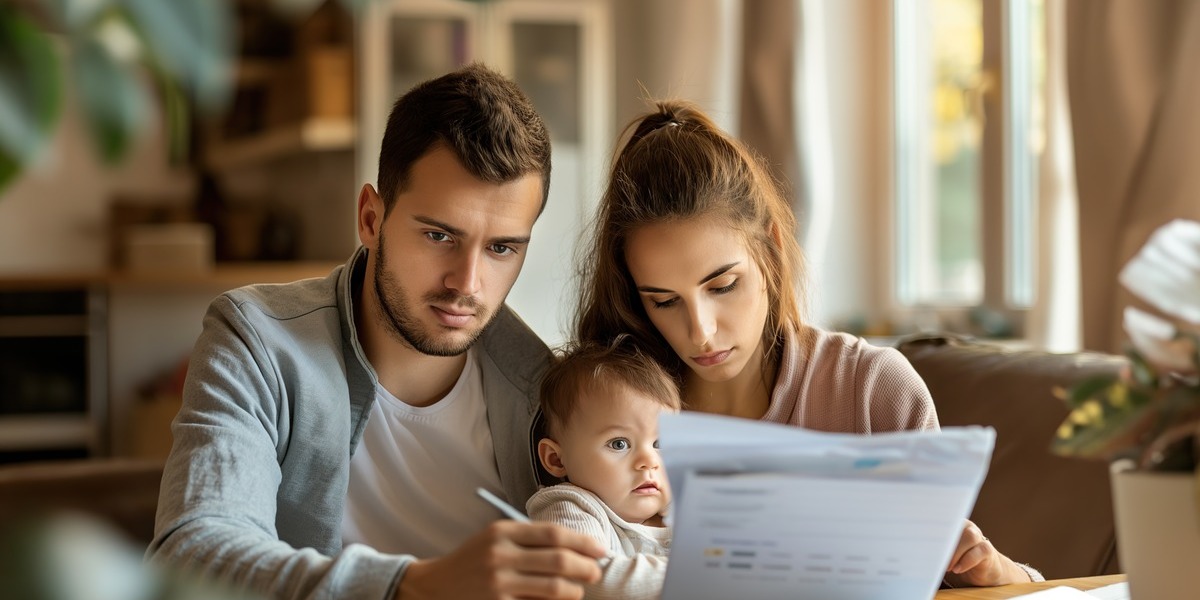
(454, 246)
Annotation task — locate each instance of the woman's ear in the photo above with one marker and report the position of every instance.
(775, 235)
(550, 454)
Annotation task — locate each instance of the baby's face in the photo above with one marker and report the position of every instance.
(610, 447)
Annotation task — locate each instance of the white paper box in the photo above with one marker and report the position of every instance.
(170, 247)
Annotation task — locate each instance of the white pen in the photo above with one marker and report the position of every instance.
(516, 515)
(502, 506)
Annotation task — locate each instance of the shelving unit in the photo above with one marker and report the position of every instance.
(311, 135)
(282, 156)
(46, 432)
(224, 275)
(135, 325)
(53, 369)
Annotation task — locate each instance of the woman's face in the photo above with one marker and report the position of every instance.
(703, 291)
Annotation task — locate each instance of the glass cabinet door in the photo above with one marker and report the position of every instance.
(402, 43)
(559, 52)
(423, 47)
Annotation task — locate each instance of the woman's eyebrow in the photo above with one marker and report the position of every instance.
(707, 278)
(719, 272)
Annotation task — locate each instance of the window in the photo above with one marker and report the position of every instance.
(968, 80)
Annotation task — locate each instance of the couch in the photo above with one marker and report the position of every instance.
(1051, 512)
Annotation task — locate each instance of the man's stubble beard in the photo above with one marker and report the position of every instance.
(398, 320)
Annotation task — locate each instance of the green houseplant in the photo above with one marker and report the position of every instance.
(1150, 415)
(1147, 420)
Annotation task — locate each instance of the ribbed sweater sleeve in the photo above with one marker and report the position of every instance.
(840, 383)
(637, 563)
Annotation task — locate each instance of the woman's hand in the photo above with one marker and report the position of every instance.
(977, 563)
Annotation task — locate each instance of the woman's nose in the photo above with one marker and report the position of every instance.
(702, 326)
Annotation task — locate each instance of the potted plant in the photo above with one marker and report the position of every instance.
(1147, 420)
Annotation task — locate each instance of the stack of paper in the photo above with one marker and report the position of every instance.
(769, 511)
(1116, 591)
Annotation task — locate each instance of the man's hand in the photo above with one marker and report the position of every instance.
(976, 562)
(509, 560)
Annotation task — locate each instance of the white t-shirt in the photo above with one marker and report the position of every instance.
(413, 476)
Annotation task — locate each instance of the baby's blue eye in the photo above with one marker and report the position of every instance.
(619, 444)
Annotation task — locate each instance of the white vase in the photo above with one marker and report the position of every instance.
(1158, 534)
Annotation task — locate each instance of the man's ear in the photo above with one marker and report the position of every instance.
(550, 454)
(370, 216)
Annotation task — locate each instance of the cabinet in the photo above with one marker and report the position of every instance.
(560, 52)
(53, 391)
(76, 350)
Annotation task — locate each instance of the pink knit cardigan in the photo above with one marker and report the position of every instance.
(841, 383)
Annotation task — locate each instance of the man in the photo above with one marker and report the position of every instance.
(333, 430)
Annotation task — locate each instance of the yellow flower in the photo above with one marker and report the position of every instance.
(1095, 412)
(1079, 417)
(1065, 430)
(1118, 396)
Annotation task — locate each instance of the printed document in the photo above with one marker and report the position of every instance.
(770, 511)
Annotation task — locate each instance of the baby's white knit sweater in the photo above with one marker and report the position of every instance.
(638, 552)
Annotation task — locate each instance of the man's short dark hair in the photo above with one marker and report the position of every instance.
(480, 115)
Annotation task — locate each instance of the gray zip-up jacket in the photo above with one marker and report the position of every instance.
(277, 395)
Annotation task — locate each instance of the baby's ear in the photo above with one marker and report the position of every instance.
(549, 453)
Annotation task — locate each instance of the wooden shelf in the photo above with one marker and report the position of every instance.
(223, 275)
(35, 432)
(312, 135)
(258, 71)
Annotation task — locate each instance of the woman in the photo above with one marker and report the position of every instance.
(694, 255)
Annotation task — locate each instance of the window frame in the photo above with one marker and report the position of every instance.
(1008, 173)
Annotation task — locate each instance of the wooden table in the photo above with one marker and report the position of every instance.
(1009, 591)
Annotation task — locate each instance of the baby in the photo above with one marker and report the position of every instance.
(601, 406)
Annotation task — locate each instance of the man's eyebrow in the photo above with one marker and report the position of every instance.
(707, 278)
(448, 228)
(515, 240)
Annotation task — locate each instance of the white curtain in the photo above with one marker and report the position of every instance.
(784, 114)
(1054, 321)
(757, 67)
(686, 49)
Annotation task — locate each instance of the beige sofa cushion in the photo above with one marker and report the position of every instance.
(1051, 512)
